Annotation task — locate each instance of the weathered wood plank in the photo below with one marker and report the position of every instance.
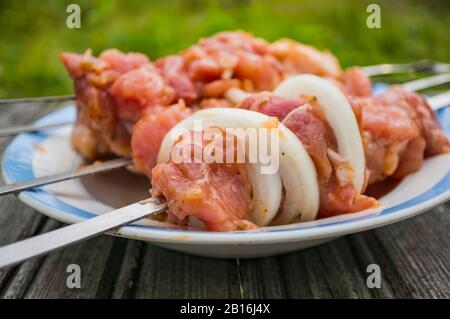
(23, 275)
(17, 221)
(420, 251)
(413, 256)
(126, 282)
(342, 272)
(418, 268)
(93, 256)
(262, 278)
(303, 274)
(11, 233)
(168, 274)
(323, 272)
(367, 250)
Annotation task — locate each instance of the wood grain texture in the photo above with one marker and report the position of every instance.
(168, 274)
(414, 256)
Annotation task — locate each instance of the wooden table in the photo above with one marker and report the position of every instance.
(414, 256)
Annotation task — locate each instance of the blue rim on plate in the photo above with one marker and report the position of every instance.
(24, 146)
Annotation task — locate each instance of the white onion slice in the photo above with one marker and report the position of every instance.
(339, 116)
(267, 194)
(296, 169)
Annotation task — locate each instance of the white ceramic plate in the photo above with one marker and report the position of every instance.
(37, 154)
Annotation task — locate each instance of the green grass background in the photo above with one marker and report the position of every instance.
(33, 33)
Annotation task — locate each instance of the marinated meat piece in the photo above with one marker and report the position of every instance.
(411, 158)
(85, 140)
(374, 151)
(149, 132)
(353, 83)
(399, 130)
(233, 55)
(356, 83)
(202, 68)
(264, 72)
(270, 104)
(121, 62)
(421, 113)
(335, 200)
(386, 132)
(389, 123)
(313, 134)
(218, 88)
(138, 90)
(212, 102)
(173, 71)
(218, 194)
(98, 130)
(96, 122)
(300, 58)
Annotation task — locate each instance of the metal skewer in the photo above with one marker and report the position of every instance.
(428, 82)
(38, 100)
(95, 168)
(10, 131)
(417, 66)
(63, 237)
(439, 101)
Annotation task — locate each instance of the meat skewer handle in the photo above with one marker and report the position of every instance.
(38, 100)
(63, 237)
(59, 177)
(11, 131)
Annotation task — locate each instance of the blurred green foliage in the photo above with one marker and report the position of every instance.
(33, 33)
